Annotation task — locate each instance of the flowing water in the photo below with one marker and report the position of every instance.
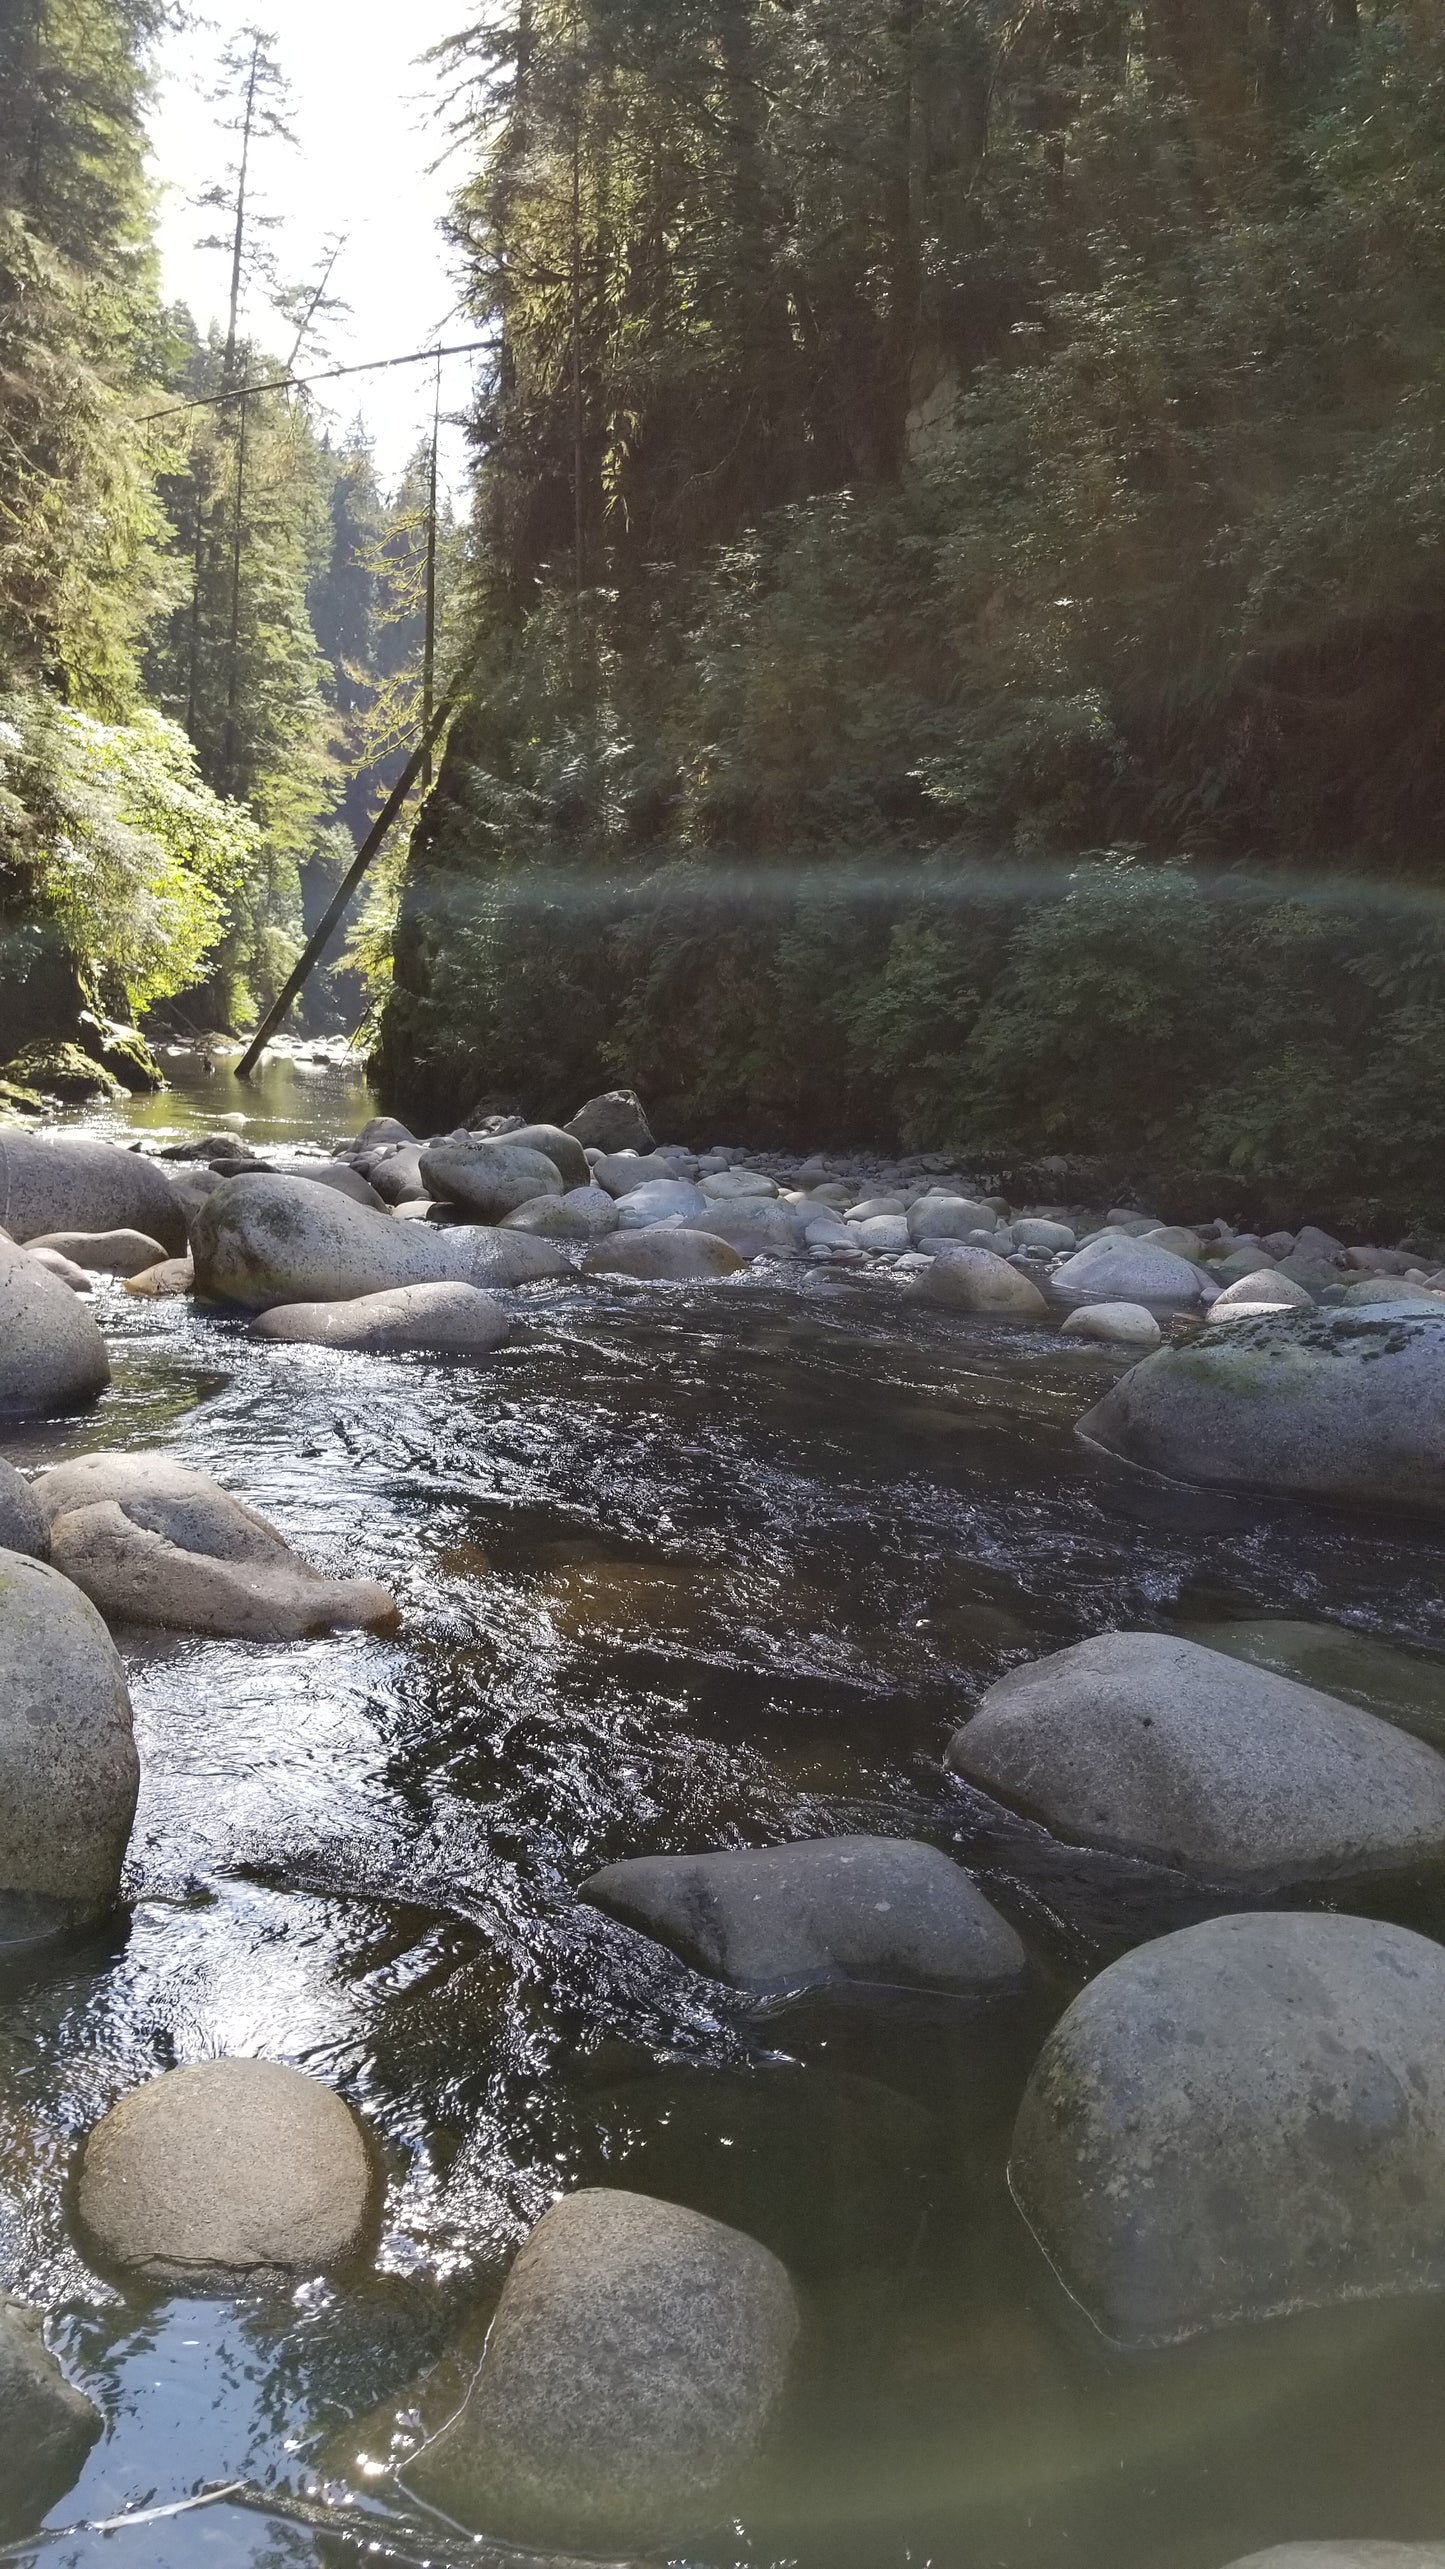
(714, 1567)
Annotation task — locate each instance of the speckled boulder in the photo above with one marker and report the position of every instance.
(259, 1241)
(211, 2175)
(1161, 1748)
(635, 2364)
(486, 1178)
(69, 1773)
(22, 1519)
(52, 1356)
(663, 1256)
(1325, 1404)
(64, 1182)
(1240, 2120)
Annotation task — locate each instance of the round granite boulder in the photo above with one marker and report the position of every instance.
(209, 2176)
(22, 1519)
(664, 1256)
(69, 1773)
(1243, 2119)
(487, 1178)
(636, 2362)
(259, 1241)
(52, 1356)
(64, 1182)
(977, 1280)
(424, 1319)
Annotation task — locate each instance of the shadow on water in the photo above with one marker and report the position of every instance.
(676, 1571)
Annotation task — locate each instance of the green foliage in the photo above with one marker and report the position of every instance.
(107, 830)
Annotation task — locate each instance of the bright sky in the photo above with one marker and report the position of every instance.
(365, 111)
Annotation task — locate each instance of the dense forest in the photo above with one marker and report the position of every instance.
(960, 528)
(210, 613)
(952, 605)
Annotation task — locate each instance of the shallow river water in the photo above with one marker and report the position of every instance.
(678, 1569)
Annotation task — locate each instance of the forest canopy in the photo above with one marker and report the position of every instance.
(960, 519)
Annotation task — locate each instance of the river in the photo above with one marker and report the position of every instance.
(683, 1569)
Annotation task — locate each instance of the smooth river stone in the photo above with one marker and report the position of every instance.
(103, 1253)
(1151, 1745)
(259, 1241)
(977, 1280)
(424, 1319)
(211, 2175)
(755, 1226)
(487, 1178)
(1355, 1667)
(636, 2361)
(150, 1542)
(1323, 1404)
(52, 1356)
(1241, 2120)
(22, 1519)
(49, 2427)
(69, 1773)
(64, 1182)
(886, 1910)
(1128, 1271)
(663, 1256)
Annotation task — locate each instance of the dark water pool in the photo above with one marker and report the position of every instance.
(677, 1570)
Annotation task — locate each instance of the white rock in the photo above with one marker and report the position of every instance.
(1116, 1324)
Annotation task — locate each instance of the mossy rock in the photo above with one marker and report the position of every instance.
(15, 1100)
(64, 1071)
(122, 1050)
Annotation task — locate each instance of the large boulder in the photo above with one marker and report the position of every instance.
(562, 1148)
(396, 1177)
(1240, 2120)
(636, 2361)
(264, 1240)
(622, 1172)
(487, 1178)
(52, 1356)
(22, 1520)
(150, 1542)
(102, 1253)
(1114, 1270)
(887, 1910)
(663, 1257)
(664, 1199)
(424, 1319)
(49, 2427)
(948, 1217)
(1326, 1404)
(612, 1122)
(1160, 1748)
(335, 1173)
(584, 1213)
(977, 1280)
(210, 2176)
(63, 1182)
(69, 1774)
(754, 1226)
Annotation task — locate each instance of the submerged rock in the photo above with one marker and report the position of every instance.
(1240, 2120)
(1327, 1404)
(635, 2364)
(1160, 1748)
(22, 1519)
(52, 1356)
(69, 1773)
(152, 1543)
(887, 1910)
(436, 1319)
(663, 1257)
(978, 1280)
(49, 2427)
(487, 1178)
(102, 1253)
(260, 1241)
(208, 2176)
(67, 1183)
(612, 1122)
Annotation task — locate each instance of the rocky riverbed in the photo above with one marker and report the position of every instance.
(813, 1756)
